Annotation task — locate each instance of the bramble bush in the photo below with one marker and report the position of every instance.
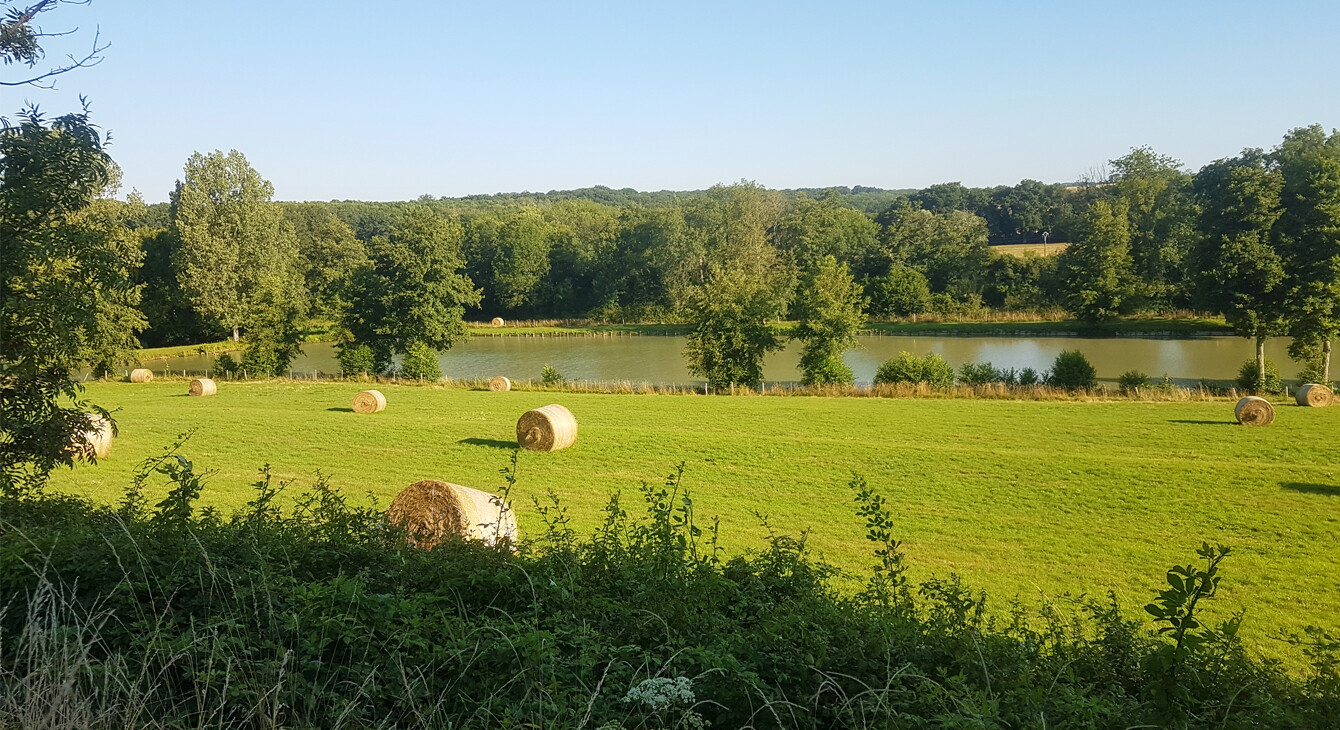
(321, 615)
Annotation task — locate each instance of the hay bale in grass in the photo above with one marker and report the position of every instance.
(1254, 411)
(546, 429)
(141, 375)
(497, 322)
(202, 387)
(1314, 396)
(93, 442)
(431, 510)
(500, 384)
(369, 401)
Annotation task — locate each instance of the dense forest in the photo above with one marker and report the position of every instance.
(1252, 237)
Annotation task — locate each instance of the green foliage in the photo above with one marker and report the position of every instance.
(1161, 217)
(1072, 371)
(731, 334)
(1029, 376)
(829, 311)
(1133, 380)
(325, 596)
(356, 358)
(238, 258)
(908, 368)
(420, 362)
(902, 293)
(980, 373)
(1249, 378)
(66, 299)
(412, 290)
(227, 365)
(1096, 270)
(550, 376)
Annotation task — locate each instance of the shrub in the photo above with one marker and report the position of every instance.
(265, 356)
(978, 373)
(420, 362)
(908, 368)
(550, 376)
(356, 358)
(902, 293)
(1072, 371)
(1029, 376)
(1311, 373)
(227, 365)
(1133, 380)
(1249, 378)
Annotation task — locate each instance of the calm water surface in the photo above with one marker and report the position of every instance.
(660, 360)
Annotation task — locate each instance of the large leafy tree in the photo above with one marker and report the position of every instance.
(731, 331)
(1096, 270)
(521, 259)
(1308, 235)
(829, 310)
(66, 297)
(237, 254)
(1162, 221)
(1242, 273)
(412, 293)
(814, 229)
(328, 254)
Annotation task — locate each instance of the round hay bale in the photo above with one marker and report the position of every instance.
(497, 322)
(141, 375)
(369, 401)
(95, 442)
(500, 384)
(546, 429)
(1254, 411)
(1314, 396)
(202, 387)
(431, 510)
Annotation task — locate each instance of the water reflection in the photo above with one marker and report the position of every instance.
(660, 360)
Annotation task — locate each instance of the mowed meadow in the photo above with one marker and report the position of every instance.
(1024, 499)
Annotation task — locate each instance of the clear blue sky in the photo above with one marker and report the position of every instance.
(385, 101)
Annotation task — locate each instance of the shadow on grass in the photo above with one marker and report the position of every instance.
(1326, 490)
(341, 409)
(491, 443)
(1206, 423)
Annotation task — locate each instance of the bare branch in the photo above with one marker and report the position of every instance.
(93, 58)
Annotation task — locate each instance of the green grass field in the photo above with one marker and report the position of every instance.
(1021, 498)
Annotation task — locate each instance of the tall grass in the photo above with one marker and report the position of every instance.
(324, 616)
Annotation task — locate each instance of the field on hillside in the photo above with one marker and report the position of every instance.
(1037, 249)
(1020, 498)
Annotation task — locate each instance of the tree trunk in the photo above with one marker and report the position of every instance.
(1326, 362)
(1260, 363)
(235, 337)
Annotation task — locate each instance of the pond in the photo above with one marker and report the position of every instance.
(659, 360)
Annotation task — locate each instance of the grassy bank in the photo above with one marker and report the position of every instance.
(1022, 498)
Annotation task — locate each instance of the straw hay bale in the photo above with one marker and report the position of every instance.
(497, 322)
(369, 401)
(1254, 411)
(141, 375)
(500, 384)
(96, 441)
(1315, 396)
(202, 387)
(431, 510)
(546, 429)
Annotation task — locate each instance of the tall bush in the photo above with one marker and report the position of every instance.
(1072, 371)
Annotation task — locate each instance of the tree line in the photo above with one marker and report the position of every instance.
(1252, 237)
